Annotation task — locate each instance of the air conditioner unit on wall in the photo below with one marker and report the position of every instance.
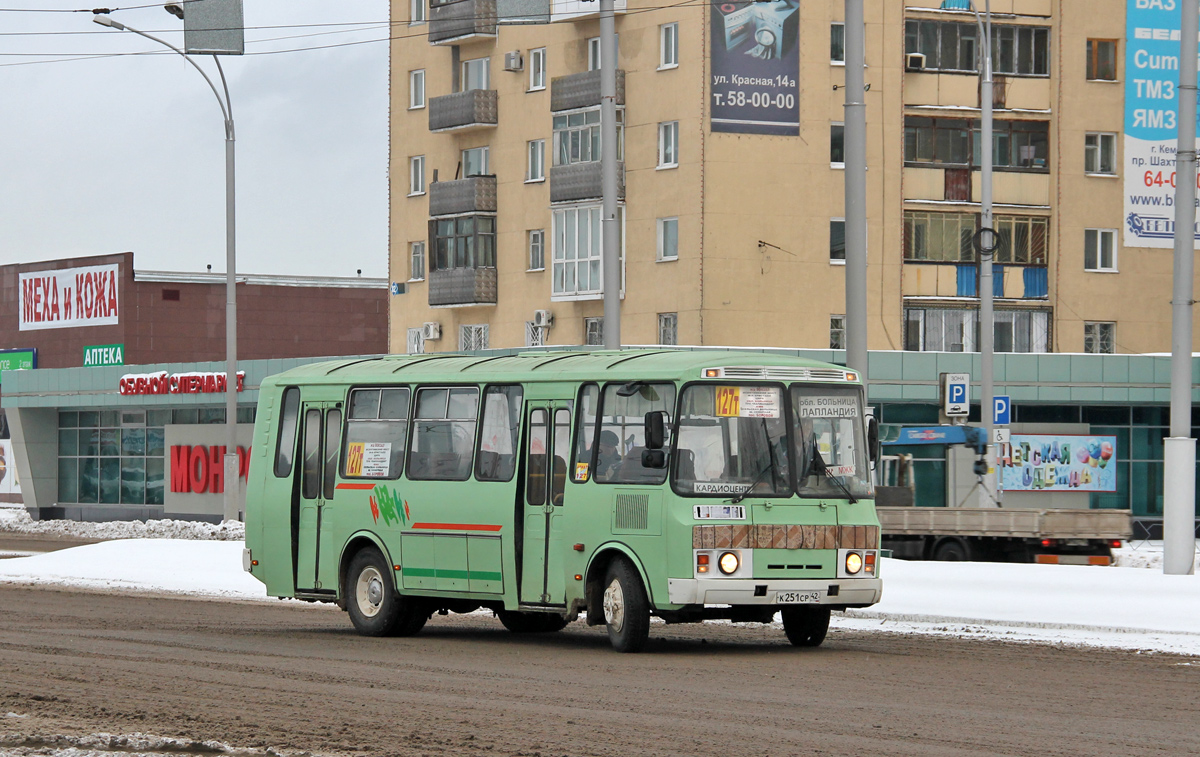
(513, 61)
(914, 62)
(543, 318)
(431, 330)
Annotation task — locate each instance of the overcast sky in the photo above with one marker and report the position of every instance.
(126, 153)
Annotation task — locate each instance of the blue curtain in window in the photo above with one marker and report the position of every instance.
(956, 5)
(967, 281)
(1037, 282)
(997, 280)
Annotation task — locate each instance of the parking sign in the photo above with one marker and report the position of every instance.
(1001, 411)
(956, 391)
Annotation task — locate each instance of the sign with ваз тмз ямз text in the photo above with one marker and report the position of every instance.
(103, 354)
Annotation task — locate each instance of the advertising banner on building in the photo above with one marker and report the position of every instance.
(18, 360)
(195, 472)
(1151, 110)
(69, 297)
(1059, 463)
(756, 67)
(8, 469)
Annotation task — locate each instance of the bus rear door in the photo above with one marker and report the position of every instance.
(547, 451)
(320, 429)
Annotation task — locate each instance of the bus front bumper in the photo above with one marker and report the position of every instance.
(765, 591)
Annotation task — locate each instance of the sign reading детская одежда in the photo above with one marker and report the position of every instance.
(69, 297)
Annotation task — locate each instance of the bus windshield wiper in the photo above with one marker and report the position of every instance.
(757, 480)
(818, 465)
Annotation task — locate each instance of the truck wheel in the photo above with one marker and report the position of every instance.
(531, 622)
(626, 609)
(805, 626)
(951, 550)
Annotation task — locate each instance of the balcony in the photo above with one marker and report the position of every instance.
(469, 195)
(454, 22)
(581, 90)
(523, 11)
(463, 111)
(462, 286)
(581, 181)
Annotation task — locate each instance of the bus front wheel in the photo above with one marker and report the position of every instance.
(371, 600)
(626, 609)
(805, 626)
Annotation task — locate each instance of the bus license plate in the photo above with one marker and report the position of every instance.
(797, 597)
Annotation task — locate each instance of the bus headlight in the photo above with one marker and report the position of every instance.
(854, 563)
(728, 563)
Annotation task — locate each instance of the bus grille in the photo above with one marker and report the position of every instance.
(786, 374)
(631, 512)
(789, 536)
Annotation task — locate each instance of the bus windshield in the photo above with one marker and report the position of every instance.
(830, 448)
(732, 439)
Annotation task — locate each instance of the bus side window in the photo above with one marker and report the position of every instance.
(310, 484)
(376, 432)
(621, 441)
(497, 458)
(333, 438)
(285, 445)
(585, 430)
(443, 434)
(562, 451)
(535, 482)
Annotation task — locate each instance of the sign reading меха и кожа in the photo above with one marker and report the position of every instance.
(1059, 463)
(69, 297)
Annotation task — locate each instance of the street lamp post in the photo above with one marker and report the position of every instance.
(232, 482)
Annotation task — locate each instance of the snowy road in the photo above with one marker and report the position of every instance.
(295, 677)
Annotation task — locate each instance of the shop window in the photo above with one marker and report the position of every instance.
(111, 457)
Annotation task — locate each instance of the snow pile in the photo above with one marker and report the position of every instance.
(17, 520)
(113, 745)
(1144, 554)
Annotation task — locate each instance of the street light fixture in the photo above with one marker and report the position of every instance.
(232, 482)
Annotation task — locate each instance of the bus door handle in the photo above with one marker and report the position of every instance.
(547, 508)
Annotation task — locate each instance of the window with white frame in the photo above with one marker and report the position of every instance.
(1099, 337)
(537, 69)
(473, 74)
(577, 251)
(473, 337)
(475, 161)
(416, 11)
(668, 239)
(668, 328)
(837, 145)
(593, 52)
(535, 336)
(416, 89)
(957, 330)
(536, 160)
(1100, 249)
(577, 136)
(593, 332)
(837, 43)
(837, 332)
(1100, 153)
(668, 144)
(837, 240)
(668, 46)
(537, 249)
(417, 256)
(416, 175)
(415, 341)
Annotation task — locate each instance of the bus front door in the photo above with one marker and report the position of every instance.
(547, 451)
(321, 431)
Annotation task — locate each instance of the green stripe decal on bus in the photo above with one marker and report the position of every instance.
(477, 575)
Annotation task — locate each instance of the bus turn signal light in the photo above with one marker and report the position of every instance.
(702, 563)
(578, 547)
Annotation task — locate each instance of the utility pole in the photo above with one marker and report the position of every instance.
(1179, 482)
(855, 145)
(987, 245)
(610, 230)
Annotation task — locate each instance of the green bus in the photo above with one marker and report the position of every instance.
(685, 484)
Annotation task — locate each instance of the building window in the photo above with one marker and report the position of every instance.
(417, 256)
(537, 250)
(668, 144)
(416, 175)
(952, 46)
(837, 332)
(416, 11)
(473, 337)
(1100, 250)
(958, 142)
(416, 341)
(593, 52)
(464, 242)
(837, 145)
(113, 456)
(577, 251)
(1100, 153)
(473, 74)
(668, 46)
(837, 43)
(536, 164)
(1022, 239)
(416, 89)
(1102, 59)
(537, 69)
(1099, 338)
(535, 336)
(577, 137)
(668, 239)
(668, 328)
(954, 330)
(939, 237)
(475, 161)
(837, 240)
(593, 332)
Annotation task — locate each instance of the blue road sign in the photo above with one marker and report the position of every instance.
(957, 393)
(1001, 411)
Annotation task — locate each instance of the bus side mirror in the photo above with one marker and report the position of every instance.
(873, 438)
(654, 458)
(655, 435)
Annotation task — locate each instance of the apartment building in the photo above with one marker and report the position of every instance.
(732, 182)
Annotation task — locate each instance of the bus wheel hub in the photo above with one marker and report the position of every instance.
(369, 591)
(614, 605)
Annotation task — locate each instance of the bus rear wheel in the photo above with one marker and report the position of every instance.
(531, 622)
(371, 600)
(626, 609)
(805, 626)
